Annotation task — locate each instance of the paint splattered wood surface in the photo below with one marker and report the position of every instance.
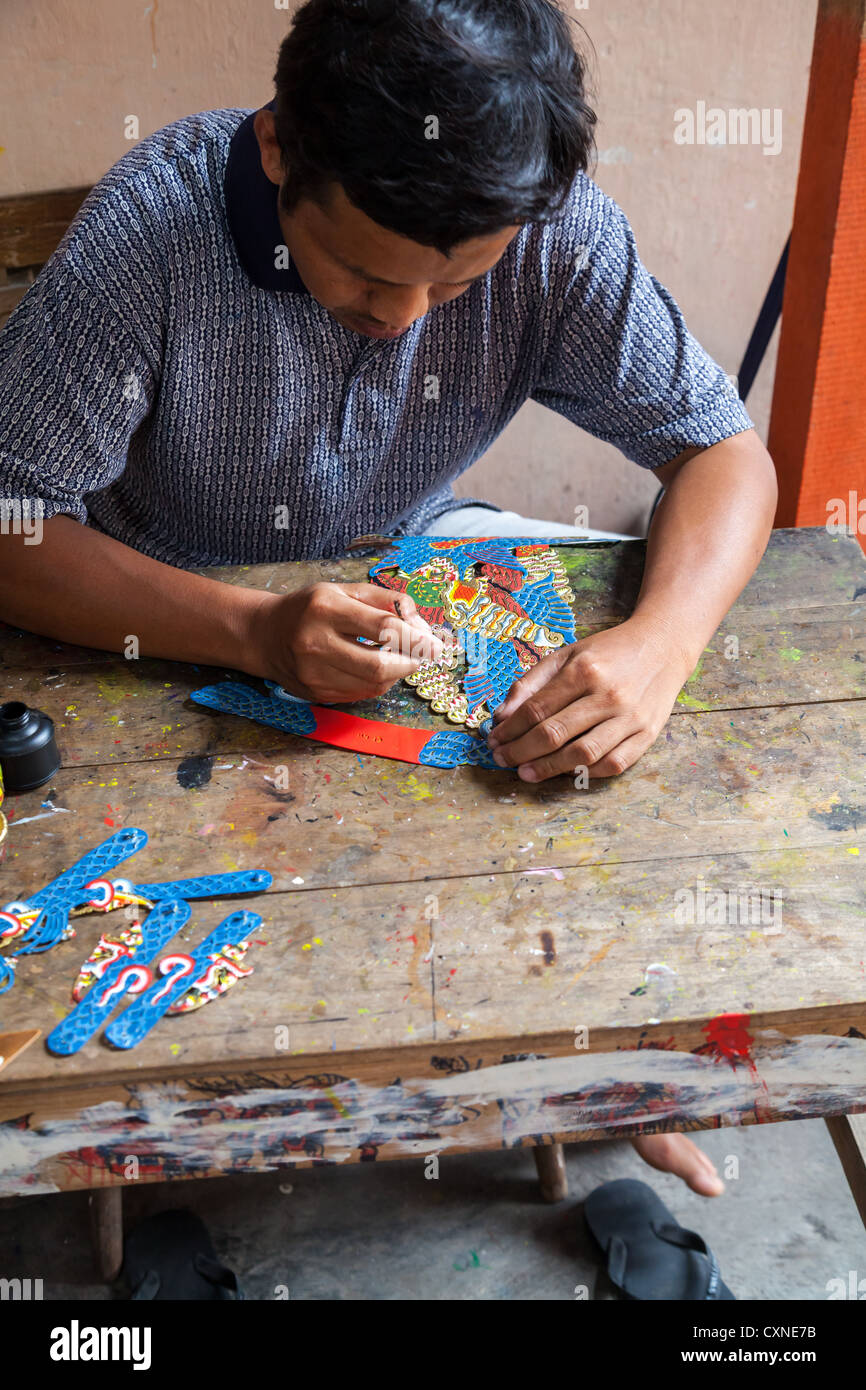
(495, 960)
(354, 1109)
(426, 923)
(774, 779)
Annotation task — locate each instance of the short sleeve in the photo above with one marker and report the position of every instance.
(80, 360)
(622, 364)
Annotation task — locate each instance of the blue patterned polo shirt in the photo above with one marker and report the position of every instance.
(169, 379)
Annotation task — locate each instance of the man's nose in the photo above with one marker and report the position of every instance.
(400, 306)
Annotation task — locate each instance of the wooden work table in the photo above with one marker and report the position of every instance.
(455, 959)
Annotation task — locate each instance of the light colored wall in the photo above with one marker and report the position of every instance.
(710, 221)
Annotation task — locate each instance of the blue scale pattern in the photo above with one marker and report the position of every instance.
(456, 749)
(68, 891)
(86, 1018)
(136, 1021)
(230, 697)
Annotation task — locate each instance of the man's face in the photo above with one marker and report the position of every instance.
(372, 281)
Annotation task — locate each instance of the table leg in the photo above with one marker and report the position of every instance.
(848, 1133)
(552, 1176)
(106, 1230)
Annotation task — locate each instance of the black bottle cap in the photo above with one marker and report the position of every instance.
(28, 752)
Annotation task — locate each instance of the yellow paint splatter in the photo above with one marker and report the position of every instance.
(729, 738)
(337, 1104)
(599, 955)
(692, 702)
(417, 789)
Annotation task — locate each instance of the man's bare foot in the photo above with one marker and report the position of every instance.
(674, 1153)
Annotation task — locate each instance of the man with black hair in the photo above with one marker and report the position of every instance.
(266, 333)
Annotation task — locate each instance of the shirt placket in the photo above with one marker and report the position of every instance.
(353, 445)
(369, 353)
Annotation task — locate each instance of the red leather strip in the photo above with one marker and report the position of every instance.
(368, 735)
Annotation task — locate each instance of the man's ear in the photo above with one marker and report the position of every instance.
(266, 134)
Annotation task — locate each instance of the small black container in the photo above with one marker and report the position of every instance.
(28, 752)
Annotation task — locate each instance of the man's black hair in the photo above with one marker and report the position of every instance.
(441, 119)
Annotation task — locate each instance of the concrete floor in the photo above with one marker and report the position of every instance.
(786, 1226)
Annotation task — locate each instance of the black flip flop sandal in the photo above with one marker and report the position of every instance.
(171, 1256)
(649, 1255)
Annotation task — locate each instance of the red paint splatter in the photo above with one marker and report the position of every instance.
(729, 1039)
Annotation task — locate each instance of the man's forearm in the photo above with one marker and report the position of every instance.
(80, 586)
(707, 537)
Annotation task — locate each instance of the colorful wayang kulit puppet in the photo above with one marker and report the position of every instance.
(35, 925)
(508, 603)
(503, 603)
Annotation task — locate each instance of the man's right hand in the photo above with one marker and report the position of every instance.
(306, 641)
(79, 585)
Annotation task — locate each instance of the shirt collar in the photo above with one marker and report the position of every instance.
(251, 208)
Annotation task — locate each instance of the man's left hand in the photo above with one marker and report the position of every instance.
(596, 704)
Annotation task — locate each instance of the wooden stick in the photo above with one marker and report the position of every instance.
(552, 1175)
(848, 1133)
(13, 1043)
(106, 1230)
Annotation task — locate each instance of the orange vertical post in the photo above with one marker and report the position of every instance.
(818, 423)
